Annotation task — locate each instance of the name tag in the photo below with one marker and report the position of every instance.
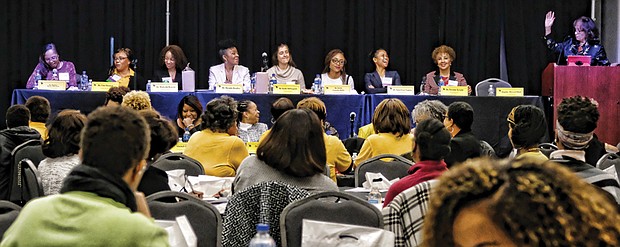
(103, 86)
(251, 147)
(179, 148)
(229, 88)
(386, 81)
(401, 90)
(454, 90)
(453, 83)
(166, 79)
(509, 91)
(164, 87)
(52, 85)
(336, 89)
(63, 76)
(285, 89)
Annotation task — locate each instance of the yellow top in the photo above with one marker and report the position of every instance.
(39, 127)
(219, 153)
(537, 155)
(384, 143)
(124, 81)
(366, 130)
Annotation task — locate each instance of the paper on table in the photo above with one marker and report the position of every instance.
(176, 179)
(361, 189)
(209, 185)
(383, 184)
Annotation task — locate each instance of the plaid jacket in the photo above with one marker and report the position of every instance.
(404, 216)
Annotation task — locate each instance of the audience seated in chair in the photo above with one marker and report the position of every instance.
(428, 109)
(431, 145)
(61, 148)
(98, 201)
(40, 110)
(114, 96)
(526, 127)
(288, 155)
(518, 203)
(17, 132)
(137, 100)
(391, 166)
(8, 214)
(464, 144)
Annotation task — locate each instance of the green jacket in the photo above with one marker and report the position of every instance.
(82, 219)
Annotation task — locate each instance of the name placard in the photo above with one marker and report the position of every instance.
(286, 88)
(401, 90)
(251, 147)
(229, 88)
(164, 87)
(454, 90)
(336, 89)
(52, 85)
(103, 86)
(509, 91)
(179, 148)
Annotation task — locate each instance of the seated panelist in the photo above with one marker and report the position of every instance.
(443, 76)
(376, 81)
(229, 71)
(49, 60)
(284, 67)
(172, 62)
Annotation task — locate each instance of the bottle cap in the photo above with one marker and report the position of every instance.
(262, 227)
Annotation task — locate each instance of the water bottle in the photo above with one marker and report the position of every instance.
(37, 78)
(186, 135)
(55, 75)
(374, 197)
(84, 81)
(148, 86)
(253, 83)
(90, 85)
(262, 237)
(491, 90)
(272, 81)
(440, 84)
(317, 85)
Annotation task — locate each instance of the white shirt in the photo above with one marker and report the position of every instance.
(338, 81)
(241, 75)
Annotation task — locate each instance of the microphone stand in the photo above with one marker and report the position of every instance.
(352, 120)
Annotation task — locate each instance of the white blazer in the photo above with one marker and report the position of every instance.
(241, 75)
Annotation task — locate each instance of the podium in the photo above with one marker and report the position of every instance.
(598, 82)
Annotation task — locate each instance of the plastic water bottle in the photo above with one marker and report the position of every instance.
(37, 78)
(374, 197)
(90, 85)
(55, 75)
(253, 83)
(272, 81)
(148, 86)
(186, 135)
(262, 237)
(84, 81)
(317, 85)
(491, 90)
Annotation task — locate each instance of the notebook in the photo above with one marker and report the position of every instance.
(575, 60)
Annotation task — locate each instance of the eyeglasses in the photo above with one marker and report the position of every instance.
(119, 58)
(336, 61)
(52, 58)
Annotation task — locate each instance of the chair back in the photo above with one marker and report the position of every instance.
(8, 214)
(404, 216)
(547, 148)
(353, 145)
(259, 203)
(26, 185)
(482, 88)
(396, 168)
(326, 206)
(608, 160)
(29, 150)
(173, 161)
(486, 149)
(204, 217)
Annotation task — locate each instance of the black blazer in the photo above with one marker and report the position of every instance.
(375, 80)
(462, 147)
(161, 73)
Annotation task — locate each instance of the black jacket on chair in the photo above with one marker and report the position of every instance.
(9, 139)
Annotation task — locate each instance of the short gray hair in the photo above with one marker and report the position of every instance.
(429, 109)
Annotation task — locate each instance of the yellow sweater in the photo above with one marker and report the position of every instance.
(384, 143)
(366, 130)
(41, 128)
(219, 153)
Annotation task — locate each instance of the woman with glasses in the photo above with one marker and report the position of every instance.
(375, 81)
(585, 41)
(122, 71)
(49, 60)
(334, 72)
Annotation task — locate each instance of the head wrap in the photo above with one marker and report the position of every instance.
(572, 140)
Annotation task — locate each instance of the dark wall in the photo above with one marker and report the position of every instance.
(408, 29)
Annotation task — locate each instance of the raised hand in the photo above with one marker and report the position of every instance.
(549, 19)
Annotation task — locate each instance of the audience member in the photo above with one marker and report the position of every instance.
(17, 132)
(430, 146)
(114, 96)
(284, 67)
(250, 130)
(429, 109)
(188, 115)
(338, 159)
(527, 126)
(172, 61)
(137, 100)
(40, 110)
(217, 147)
(334, 72)
(288, 155)
(279, 107)
(123, 70)
(464, 145)
(98, 204)
(392, 123)
(376, 81)
(443, 56)
(49, 60)
(518, 203)
(61, 148)
(229, 71)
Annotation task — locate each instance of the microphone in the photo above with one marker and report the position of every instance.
(265, 66)
(352, 116)
(562, 51)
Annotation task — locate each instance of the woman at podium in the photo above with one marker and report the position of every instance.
(584, 43)
(48, 61)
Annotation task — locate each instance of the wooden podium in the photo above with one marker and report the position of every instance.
(598, 82)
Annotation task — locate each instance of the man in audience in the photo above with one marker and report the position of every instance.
(338, 157)
(17, 132)
(98, 204)
(39, 113)
(577, 118)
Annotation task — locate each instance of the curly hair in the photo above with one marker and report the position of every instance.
(534, 203)
(64, 134)
(429, 109)
(180, 60)
(220, 114)
(443, 49)
(115, 94)
(163, 134)
(578, 114)
(137, 100)
(392, 116)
